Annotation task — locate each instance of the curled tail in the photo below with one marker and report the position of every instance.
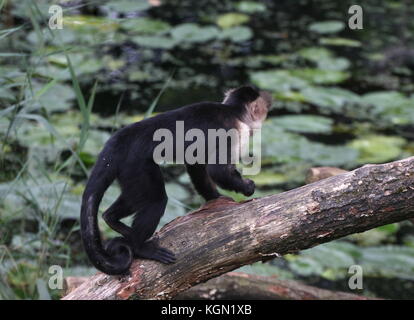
(118, 258)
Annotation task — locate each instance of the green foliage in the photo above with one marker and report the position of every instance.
(191, 32)
(125, 6)
(145, 26)
(339, 42)
(304, 123)
(250, 6)
(327, 27)
(332, 261)
(229, 20)
(236, 34)
(63, 92)
(377, 149)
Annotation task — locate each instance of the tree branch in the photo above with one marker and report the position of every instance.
(243, 286)
(224, 235)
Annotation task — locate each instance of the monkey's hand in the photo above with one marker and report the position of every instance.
(248, 187)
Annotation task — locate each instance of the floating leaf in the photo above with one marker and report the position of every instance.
(250, 6)
(377, 148)
(384, 99)
(315, 54)
(229, 20)
(333, 99)
(324, 59)
(90, 23)
(58, 98)
(279, 146)
(236, 34)
(375, 236)
(277, 80)
(389, 261)
(145, 25)
(191, 32)
(327, 26)
(127, 6)
(340, 42)
(391, 106)
(318, 76)
(306, 266)
(330, 260)
(289, 96)
(303, 123)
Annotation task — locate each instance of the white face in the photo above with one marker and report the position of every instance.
(256, 113)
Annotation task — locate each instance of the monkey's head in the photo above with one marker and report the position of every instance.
(256, 103)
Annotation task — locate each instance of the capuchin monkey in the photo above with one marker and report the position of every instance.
(128, 158)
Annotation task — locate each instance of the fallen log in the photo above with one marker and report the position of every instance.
(243, 286)
(224, 235)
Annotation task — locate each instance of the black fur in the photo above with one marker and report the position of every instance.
(128, 157)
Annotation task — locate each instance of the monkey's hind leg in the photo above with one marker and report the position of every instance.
(117, 211)
(144, 225)
(148, 201)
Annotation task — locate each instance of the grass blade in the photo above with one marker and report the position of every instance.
(155, 101)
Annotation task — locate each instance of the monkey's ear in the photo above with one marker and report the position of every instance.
(267, 97)
(258, 108)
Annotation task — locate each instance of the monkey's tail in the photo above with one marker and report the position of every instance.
(118, 257)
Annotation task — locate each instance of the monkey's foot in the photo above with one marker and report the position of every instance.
(151, 250)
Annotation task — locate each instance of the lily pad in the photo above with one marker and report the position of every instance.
(384, 99)
(391, 106)
(377, 148)
(277, 80)
(232, 19)
(318, 76)
(279, 146)
(327, 26)
(191, 32)
(236, 34)
(90, 23)
(340, 42)
(389, 261)
(304, 123)
(126, 6)
(145, 25)
(331, 99)
(250, 6)
(57, 98)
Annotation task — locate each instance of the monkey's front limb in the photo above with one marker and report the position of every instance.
(227, 177)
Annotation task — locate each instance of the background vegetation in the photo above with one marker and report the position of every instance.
(342, 98)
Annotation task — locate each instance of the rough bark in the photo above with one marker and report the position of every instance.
(243, 286)
(224, 235)
(71, 283)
